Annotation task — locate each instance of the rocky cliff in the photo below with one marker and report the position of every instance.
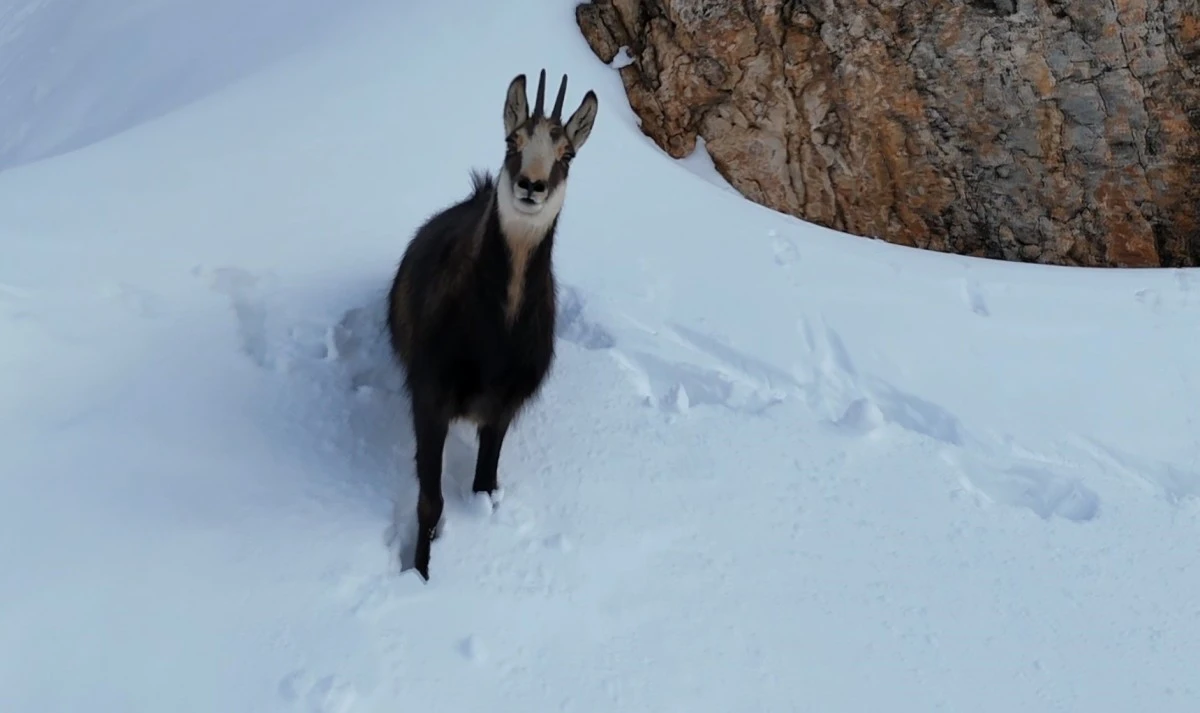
(1056, 131)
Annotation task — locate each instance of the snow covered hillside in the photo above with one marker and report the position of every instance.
(775, 468)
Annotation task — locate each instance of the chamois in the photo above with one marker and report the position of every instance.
(472, 306)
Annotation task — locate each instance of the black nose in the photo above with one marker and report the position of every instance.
(532, 186)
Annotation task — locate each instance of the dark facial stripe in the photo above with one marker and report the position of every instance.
(517, 144)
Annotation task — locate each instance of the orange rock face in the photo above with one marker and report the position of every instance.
(1054, 131)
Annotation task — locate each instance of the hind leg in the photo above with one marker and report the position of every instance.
(430, 429)
(491, 439)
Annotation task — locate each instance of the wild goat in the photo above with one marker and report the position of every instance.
(472, 306)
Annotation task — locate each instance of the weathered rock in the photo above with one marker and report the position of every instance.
(1056, 131)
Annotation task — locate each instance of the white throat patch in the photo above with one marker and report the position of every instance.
(523, 231)
(519, 224)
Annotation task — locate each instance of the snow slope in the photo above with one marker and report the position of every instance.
(775, 468)
(73, 72)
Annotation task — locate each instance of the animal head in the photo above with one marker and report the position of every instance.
(540, 148)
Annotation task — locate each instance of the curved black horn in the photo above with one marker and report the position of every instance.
(558, 101)
(540, 105)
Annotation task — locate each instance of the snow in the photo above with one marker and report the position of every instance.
(775, 468)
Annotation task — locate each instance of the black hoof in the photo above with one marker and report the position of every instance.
(425, 540)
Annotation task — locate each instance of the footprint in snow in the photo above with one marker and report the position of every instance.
(973, 297)
(1184, 280)
(684, 369)
(244, 291)
(327, 694)
(1045, 493)
(1151, 298)
(707, 373)
(1158, 300)
(858, 404)
(349, 362)
(1038, 483)
(354, 345)
(359, 343)
(1176, 483)
(784, 250)
(574, 326)
(473, 650)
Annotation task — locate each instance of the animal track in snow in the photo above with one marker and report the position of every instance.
(1184, 280)
(473, 649)
(707, 373)
(1160, 300)
(1151, 298)
(1175, 482)
(1038, 489)
(242, 288)
(678, 368)
(859, 405)
(355, 345)
(359, 343)
(265, 334)
(345, 396)
(343, 388)
(784, 249)
(973, 297)
(573, 326)
(327, 694)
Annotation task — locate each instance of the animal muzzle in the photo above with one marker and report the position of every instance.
(530, 192)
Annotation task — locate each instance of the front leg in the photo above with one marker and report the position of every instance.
(491, 439)
(430, 430)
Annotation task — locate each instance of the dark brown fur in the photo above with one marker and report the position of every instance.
(472, 306)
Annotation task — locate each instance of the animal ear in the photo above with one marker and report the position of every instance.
(516, 105)
(579, 127)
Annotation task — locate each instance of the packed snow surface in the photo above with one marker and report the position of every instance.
(775, 467)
